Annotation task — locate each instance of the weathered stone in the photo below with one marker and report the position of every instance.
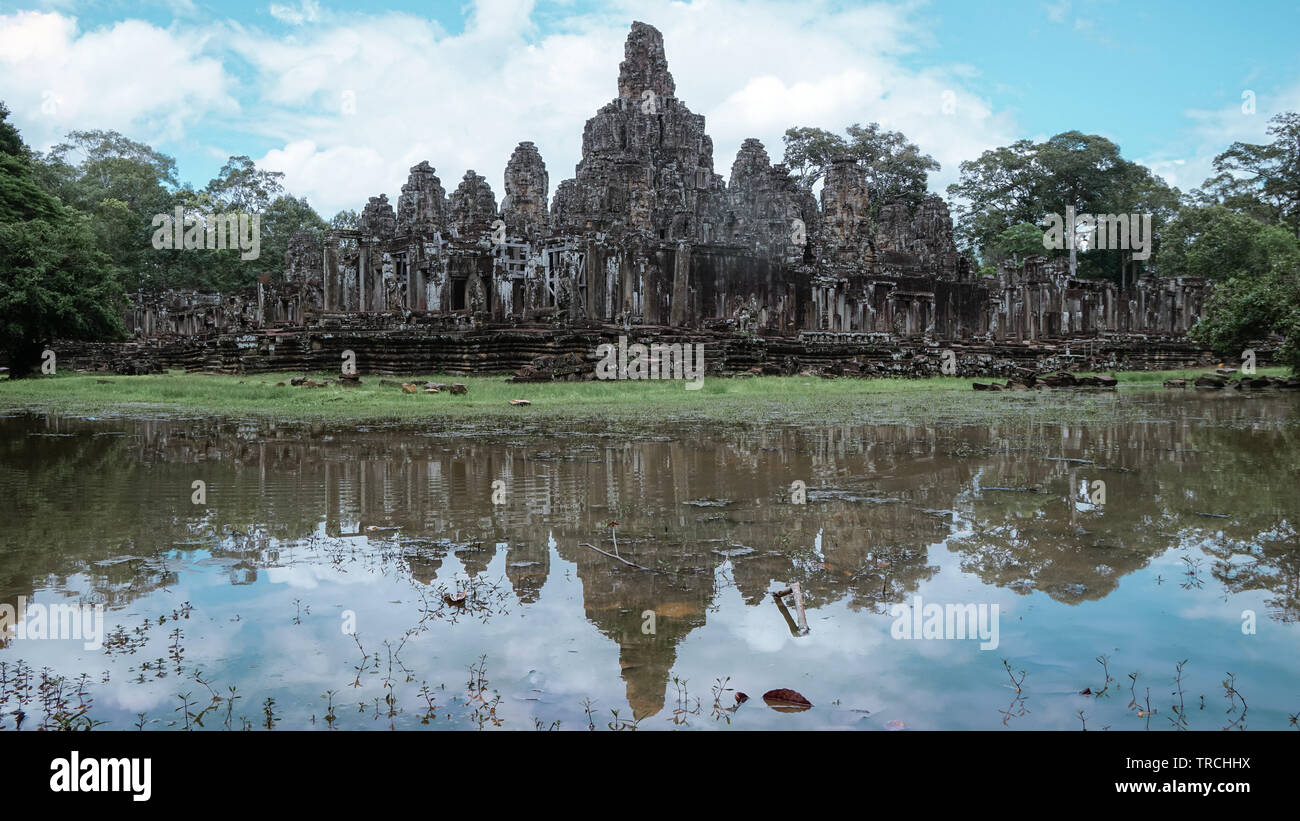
(422, 206)
(646, 235)
(524, 207)
(472, 207)
(378, 219)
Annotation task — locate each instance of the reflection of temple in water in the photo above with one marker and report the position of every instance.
(704, 510)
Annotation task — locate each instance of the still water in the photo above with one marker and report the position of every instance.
(309, 581)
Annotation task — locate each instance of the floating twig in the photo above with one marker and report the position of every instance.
(612, 556)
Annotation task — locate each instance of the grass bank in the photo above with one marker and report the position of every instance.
(768, 399)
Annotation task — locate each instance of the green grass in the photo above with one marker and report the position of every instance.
(769, 399)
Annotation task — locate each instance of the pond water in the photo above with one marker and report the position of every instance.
(314, 571)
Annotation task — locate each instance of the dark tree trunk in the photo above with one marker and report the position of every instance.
(25, 360)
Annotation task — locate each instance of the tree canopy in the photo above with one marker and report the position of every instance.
(1024, 182)
(895, 168)
(55, 283)
(76, 230)
(1262, 181)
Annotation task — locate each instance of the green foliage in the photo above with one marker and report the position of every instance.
(1018, 242)
(808, 151)
(241, 186)
(21, 197)
(55, 283)
(1246, 309)
(349, 220)
(283, 218)
(1262, 181)
(1026, 181)
(11, 144)
(895, 168)
(1243, 230)
(1218, 243)
(123, 184)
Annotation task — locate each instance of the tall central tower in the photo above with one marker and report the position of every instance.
(647, 165)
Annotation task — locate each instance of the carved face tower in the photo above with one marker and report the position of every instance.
(647, 165)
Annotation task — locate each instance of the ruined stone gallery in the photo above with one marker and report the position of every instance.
(647, 237)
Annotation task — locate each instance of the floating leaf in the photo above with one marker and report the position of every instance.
(786, 701)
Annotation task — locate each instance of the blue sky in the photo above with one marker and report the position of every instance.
(344, 98)
(1131, 71)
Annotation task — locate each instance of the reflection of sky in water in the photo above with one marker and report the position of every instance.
(546, 657)
(558, 624)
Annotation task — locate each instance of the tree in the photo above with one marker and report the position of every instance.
(1247, 309)
(1217, 243)
(55, 285)
(122, 184)
(1262, 179)
(1026, 181)
(895, 168)
(999, 189)
(21, 196)
(1018, 242)
(284, 217)
(808, 151)
(346, 220)
(92, 165)
(241, 186)
(54, 282)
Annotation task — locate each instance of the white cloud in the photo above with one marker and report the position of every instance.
(464, 100)
(307, 11)
(1057, 12)
(1213, 130)
(153, 84)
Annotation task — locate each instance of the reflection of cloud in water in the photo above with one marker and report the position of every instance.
(897, 511)
(310, 576)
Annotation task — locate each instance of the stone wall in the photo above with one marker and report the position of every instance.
(646, 234)
(393, 345)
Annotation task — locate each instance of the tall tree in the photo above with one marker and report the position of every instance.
(284, 217)
(808, 151)
(241, 186)
(1026, 181)
(1218, 243)
(348, 219)
(55, 283)
(997, 190)
(1263, 180)
(895, 168)
(122, 183)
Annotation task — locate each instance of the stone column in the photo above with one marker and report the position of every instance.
(363, 265)
(333, 288)
(681, 280)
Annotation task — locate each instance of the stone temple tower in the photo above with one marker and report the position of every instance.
(647, 164)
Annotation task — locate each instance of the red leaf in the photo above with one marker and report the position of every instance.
(786, 701)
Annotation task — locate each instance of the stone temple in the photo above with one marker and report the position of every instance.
(646, 236)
